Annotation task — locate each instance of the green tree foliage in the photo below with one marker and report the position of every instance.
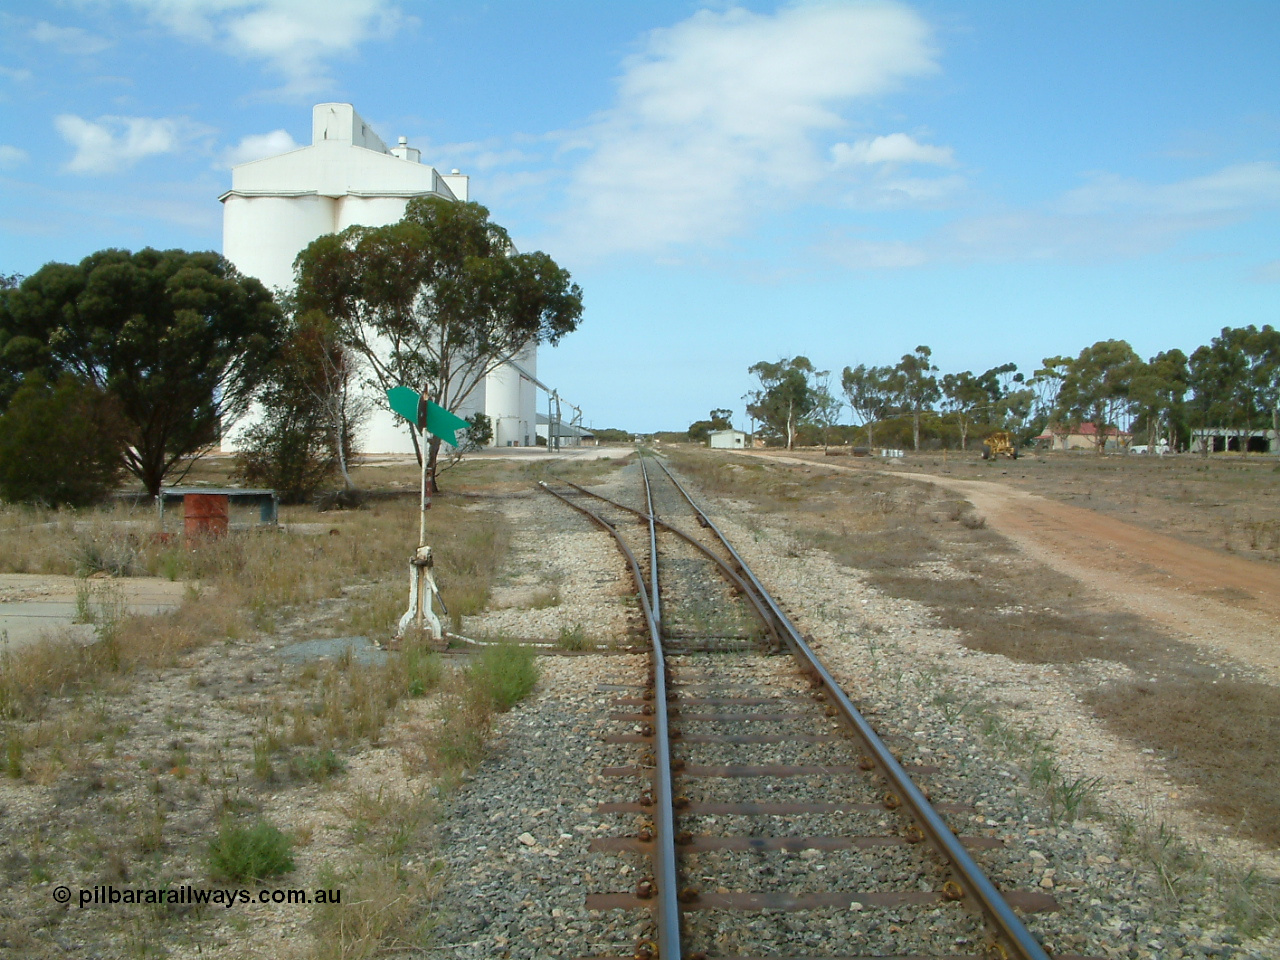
(60, 443)
(826, 407)
(612, 435)
(438, 300)
(869, 393)
(965, 398)
(1098, 387)
(310, 415)
(178, 340)
(1047, 384)
(1159, 393)
(1261, 349)
(700, 430)
(916, 387)
(1236, 379)
(786, 395)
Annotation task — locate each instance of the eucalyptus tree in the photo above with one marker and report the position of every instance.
(869, 393)
(1236, 379)
(436, 301)
(1098, 386)
(1159, 391)
(965, 396)
(179, 341)
(826, 407)
(916, 387)
(1262, 353)
(312, 413)
(788, 393)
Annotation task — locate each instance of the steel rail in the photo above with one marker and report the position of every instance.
(667, 908)
(732, 575)
(655, 593)
(1008, 925)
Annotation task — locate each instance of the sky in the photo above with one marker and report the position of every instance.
(728, 182)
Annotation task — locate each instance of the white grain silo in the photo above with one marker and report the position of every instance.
(348, 177)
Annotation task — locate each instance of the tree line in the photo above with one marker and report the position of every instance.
(137, 362)
(1233, 383)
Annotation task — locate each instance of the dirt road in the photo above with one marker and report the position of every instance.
(1213, 599)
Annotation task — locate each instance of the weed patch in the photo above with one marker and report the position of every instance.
(573, 638)
(384, 910)
(254, 852)
(317, 766)
(502, 675)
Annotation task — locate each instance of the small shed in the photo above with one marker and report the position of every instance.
(727, 439)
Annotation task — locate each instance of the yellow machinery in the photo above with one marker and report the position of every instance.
(1000, 442)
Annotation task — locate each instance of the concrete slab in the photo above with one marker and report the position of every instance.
(33, 605)
(363, 650)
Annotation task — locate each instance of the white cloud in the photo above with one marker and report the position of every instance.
(1267, 272)
(1242, 186)
(11, 156)
(116, 143)
(73, 41)
(1108, 218)
(1112, 216)
(894, 148)
(16, 74)
(295, 38)
(855, 254)
(721, 115)
(259, 145)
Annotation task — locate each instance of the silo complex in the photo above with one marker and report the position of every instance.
(348, 177)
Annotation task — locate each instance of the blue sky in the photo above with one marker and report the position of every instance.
(728, 182)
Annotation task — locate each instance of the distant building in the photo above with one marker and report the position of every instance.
(1083, 437)
(727, 440)
(347, 177)
(569, 434)
(1229, 440)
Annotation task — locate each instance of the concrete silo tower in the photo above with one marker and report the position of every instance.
(349, 177)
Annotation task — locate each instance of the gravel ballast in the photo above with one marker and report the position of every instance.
(515, 839)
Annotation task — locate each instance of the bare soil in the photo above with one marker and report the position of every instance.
(1220, 599)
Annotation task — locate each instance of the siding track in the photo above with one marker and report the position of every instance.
(773, 811)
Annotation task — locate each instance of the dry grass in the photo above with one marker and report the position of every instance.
(146, 740)
(243, 582)
(1220, 734)
(498, 676)
(382, 909)
(1223, 502)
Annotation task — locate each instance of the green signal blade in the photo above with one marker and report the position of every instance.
(404, 401)
(444, 424)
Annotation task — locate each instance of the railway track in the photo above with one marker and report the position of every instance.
(775, 820)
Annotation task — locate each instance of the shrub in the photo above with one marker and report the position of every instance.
(288, 451)
(574, 638)
(318, 766)
(60, 444)
(240, 853)
(503, 675)
(311, 414)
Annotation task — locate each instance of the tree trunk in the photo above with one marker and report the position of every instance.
(433, 445)
(151, 474)
(342, 465)
(791, 428)
(417, 450)
(915, 430)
